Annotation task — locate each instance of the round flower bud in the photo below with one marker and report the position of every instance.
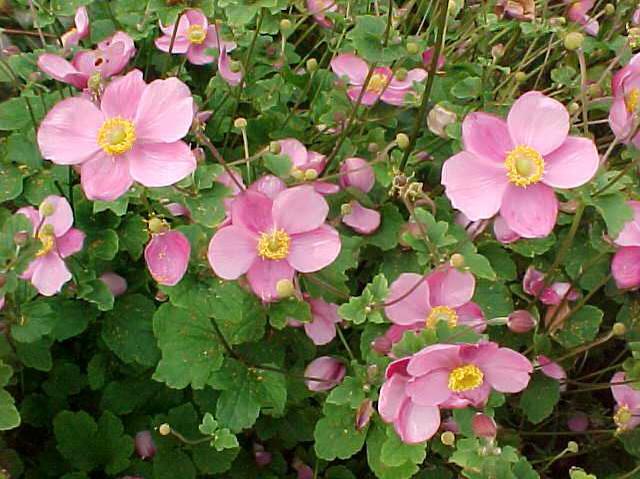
(240, 123)
(520, 76)
(145, 448)
(373, 147)
(456, 260)
(20, 238)
(448, 438)
(573, 107)
(573, 40)
(413, 48)
(157, 225)
(346, 209)
(594, 90)
(285, 288)
(312, 65)
(521, 321)
(619, 329)
(310, 174)
(572, 446)
(164, 429)
(484, 426)
(609, 9)
(274, 147)
(401, 74)
(46, 209)
(402, 140)
(235, 66)
(297, 173)
(285, 24)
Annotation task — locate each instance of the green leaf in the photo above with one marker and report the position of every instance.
(288, 308)
(133, 235)
(361, 308)
(173, 464)
(36, 320)
(350, 392)
(376, 441)
(494, 298)
(72, 318)
(279, 165)
(190, 349)
(98, 293)
(470, 87)
(14, 114)
(615, 211)
(119, 206)
(540, 398)
(396, 453)
(336, 435)
(207, 208)
(10, 182)
(386, 236)
(128, 330)
(533, 247)
(102, 244)
(581, 327)
(477, 264)
(209, 424)
(224, 439)
(368, 36)
(36, 355)
(22, 149)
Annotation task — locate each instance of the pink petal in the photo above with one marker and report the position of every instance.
(327, 368)
(295, 150)
(351, 66)
(268, 185)
(197, 55)
(50, 274)
(571, 165)
(214, 41)
(474, 186)
(105, 178)
(183, 26)
(161, 164)
(431, 389)
(299, 209)
(531, 212)
(620, 120)
(486, 136)
(471, 315)
(122, 96)
(503, 233)
(60, 69)
(417, 423)
(325, 188)
(167, 257)
(431, 358)
(117, 51)
(396, 97)
(538, 121)
(68, 134)
(322, 329)
(624, 394)
(232, 251)
(412, 308)
(507, 371)
(551, 369)
(253, 211)
(450, 287)
(265, 274)
(313, 250)
(196, 17)
(70, 243)
(357, 173)
(392, 396)
(368, 98)
(165, 112)
(81, 21)
(116, 283)
(62, 217)
(362, 220)
(415, 75)
(180, 44)
(625, 267)
(630, 234)
(224, 68)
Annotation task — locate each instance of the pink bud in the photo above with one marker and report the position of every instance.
(533, 281)
(328, 369)
(382, 345)
(362, 220)
(450, 424)
(427, 58)
(625, 267)
(521, 321)
(225, 71)
(578, 422)
(268, 185)
(357, 173)
(557, 293)
(304, 471)
(484, 426)
(116, 283)
(167, 257)
(503, 233)
(262, 457)
(10, 50)
(145, 448)
(363, 415)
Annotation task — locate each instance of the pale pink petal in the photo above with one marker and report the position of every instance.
(571, 165)
(68, 134)
(105, 178)
(81, 21)
(507, 371)
(357, 173)
(322, 328)
(214, 41)
(165, 112)
(431, 389)
(413, 307)
(396, 97)
(224, 68)
(121, 97)
(180, 44)
(167, 257)
(118, 50)
(538, 121)
(327, 368)
(183, 26)
(450, 287)
(232, 251)
(368, 98)
(116, 283)
(232, 179)
(315, 161)
(487, 137)
(50, 274)
(263, 275)
(197, 55)
(299, 209)
(417, 423)
(620, 120)
(625, 267)
(392, 396)
(61, 217)
(325, 188)
(197, 17)
(396, 332)
(624, 394)
(630, 234)
(60, 69)
(476, 397)
(503, 233)
(313, 250)
(161, 164)
(351, 66)
(252, 210)
(70, 243)
(531, 212)
(471, 315)
(415, 75)
(474, 186)
(533, 281)
(551, 369)
(431, 358)
(295, 150)
(268, 185)
(362, 220)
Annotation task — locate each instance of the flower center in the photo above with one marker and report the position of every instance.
(196, 34)
(274, 245)
(525, 166)
(377, 82)
(116, 136)
(632, 100)
(442, 313)
(465, 378)
(622, 416)
(48, 240)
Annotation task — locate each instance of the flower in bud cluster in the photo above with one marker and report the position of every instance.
(533, 281)
(448, 438)
(521, 321)
(329, 370)
(438, 119)
(167, 257)
(381, 345)
(573, 40)
(145, 448)
(363, 414)
(484, 426)
(457, 261)
(116, 283)
(402, 140)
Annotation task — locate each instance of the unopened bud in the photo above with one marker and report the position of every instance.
(285, 24)
(573, 107)
(285, 288)
(413, 48)
(572, 446)
(456, 260)
(401, 74)
(297, 173)
(235, 66)
(312, 65)
(619, 329)
(373, 147)
(484, 426)
(240, 123)
(364, 413)
(573, 40)
(520, 76)
(10, 50)
(448, 438)
(274, 147)
(609, 9)
(402, 140)
(20, 238)
(521, 321)
(161, 297)
(594, 90)
(157, 225)
(346, 209)
(47, 209)
(164, 429)
(310, 174)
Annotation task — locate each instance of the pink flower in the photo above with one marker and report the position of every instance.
(271, 239)
(303, 470)
(553, 370)
(625, 86)
(627, 415)
(328, 369)
(52, 226)
(145, 448)
(322, 328)
(193, 37)
(360, 219)
(167, 257)
(625, 266)
(233, 78)
(357, 173)
(533, 281)
(444, 295)
(108, 59)
(262, 458)
(300, 157)
(382, 84)
(133, 136)
(521, 321)
(577, 12)
(557, 293)
(79, 31)
(512, 166)
(427, 58)
(503, 233)
(318, 8)
(116, 283)
(635, 18)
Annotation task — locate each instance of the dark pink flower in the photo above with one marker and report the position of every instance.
(328, 369)
(427, 58)
(145, 448)
(167, 257)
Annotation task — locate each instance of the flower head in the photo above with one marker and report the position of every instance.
(512, 166)
(627, 410)
(134, 135)
(360, 219)
(52, 226)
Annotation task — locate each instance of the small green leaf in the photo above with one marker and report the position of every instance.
(581, 327)
(279, 165)
(540, 398)
(336, 435)
(468, 88)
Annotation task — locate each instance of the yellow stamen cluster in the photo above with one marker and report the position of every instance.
(525, 166)
(632, 100)
(47, 238)
(274, 245)
(116, 136)
(442, 313)
(622, 417)
(465, 378)
(377, 82)
(196, 34)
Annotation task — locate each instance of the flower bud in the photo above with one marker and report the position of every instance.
(274, 147)
(484, 426)
(373, 147)
(240, 123)
(448, 438)
(329, 370)
(157, 225)
(312, 65)
(609, 9)
(572, 446)
(167, 257)
(520, 76)
(10, 50)
(116, 283)
(235, 67)
(573, 40)
(145, 448)
(402, 140)
(297, 173)
(521, 321)
(262, 457)
(401, 74)
(164, 429)
(438, 119)
(310, 174)
(345, 209)
(619, 329)
(381, 345)
(413, 48)
(573, 107)
(456, 260)
(161, 297)
(46, 209)
(285, 288)
(533, 281)
(578, 422)
(285, 24)
(363, 414)
(594, 90)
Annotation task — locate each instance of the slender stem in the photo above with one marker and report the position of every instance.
(345, 344)
(214, 151)
(191, 442)
(583, 90)
(28, 33)
(173, 39)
